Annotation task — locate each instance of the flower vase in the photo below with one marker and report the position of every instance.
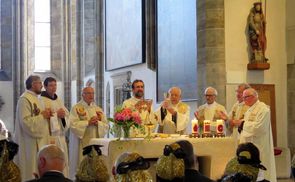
(117, 131)
(126, 132)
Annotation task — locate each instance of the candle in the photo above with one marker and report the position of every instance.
(219, 126)
(206, 126)
(195, 126)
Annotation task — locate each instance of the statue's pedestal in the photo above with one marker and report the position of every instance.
(258, 66)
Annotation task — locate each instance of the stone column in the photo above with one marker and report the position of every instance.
(150, 33)
(211, 48)
(99, 62)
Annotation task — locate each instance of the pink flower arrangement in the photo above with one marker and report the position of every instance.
(126, 117)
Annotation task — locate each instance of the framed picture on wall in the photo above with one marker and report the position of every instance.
(125, 33)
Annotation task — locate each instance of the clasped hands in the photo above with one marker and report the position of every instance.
(95, 119)
(235, 122)
(48, 112)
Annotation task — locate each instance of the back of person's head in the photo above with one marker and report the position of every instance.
(248, 153)
(247, 161)
(10, 147)
(171, 165)
(236, 177)
(8, 170)
(50, 157)
(189, 156)
(130, 166)
(92, 167)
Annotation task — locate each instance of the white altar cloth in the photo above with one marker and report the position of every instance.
(214, 153)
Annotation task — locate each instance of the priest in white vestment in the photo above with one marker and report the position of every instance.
(31, 127)
(211, 110)
(173, 115)
(256, 128)
(59, 121)
(87, 121)
(144, 108)
(236, 115)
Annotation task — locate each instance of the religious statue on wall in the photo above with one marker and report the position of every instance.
(256, 34)
(127, 87)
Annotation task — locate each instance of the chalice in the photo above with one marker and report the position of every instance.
(148, 123)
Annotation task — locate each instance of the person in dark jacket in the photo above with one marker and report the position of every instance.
(51, 162)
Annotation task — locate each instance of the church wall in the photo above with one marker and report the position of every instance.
(6, 112)
(290, 22)
(138, 72)
(236, 12)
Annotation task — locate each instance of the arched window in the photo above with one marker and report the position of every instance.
(42, 35)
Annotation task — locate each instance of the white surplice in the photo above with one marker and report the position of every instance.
(58, 131)
(237, 112)
(182, 119)
(81, 132)
(257, 129)
(145, 116)
(210, 112)
(31, 133)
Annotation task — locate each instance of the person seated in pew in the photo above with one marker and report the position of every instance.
(236, 177)
(173, 114)
(130, 166)
(51, 163)
(92, 168)
(247, 162)
(178, 163)
(9, 171)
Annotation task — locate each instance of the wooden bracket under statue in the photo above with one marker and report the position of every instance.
(258, 66)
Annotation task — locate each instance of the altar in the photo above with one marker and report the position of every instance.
(213, 153)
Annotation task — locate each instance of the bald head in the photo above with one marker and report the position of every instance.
(88, 95)
(50, 157)
(175, 95)
(250, 96)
